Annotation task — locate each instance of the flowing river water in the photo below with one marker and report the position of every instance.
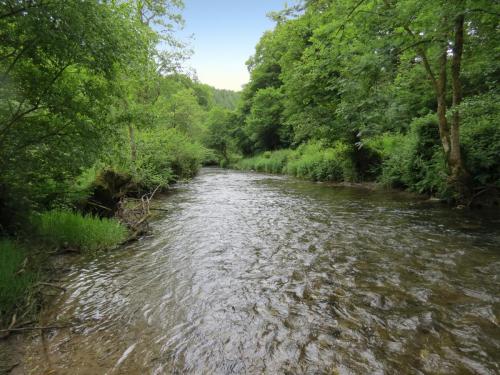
(250, 274)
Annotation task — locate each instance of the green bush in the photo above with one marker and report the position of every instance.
(163, 156)
(73, 230)
(310, 161)
(315, 162)
(415, 160)
(480, 138)
(14, 284)
(269, 162)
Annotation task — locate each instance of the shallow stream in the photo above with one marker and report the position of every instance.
(249, 274)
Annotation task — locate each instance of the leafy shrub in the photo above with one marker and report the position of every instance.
(13, 284)
(163, 156)
(70, 229)
(319, 163)
(269, 162)
(211, 157)
(415, 160)
(480, 138)
(311, 161)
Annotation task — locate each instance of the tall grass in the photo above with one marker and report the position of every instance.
(415, 160)
(73, 230)
(13, 283)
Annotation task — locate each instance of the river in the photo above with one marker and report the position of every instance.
(248, 273)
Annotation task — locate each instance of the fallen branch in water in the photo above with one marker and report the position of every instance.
(92, 203)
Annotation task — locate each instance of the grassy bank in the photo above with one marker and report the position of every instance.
(66, 229)
(74, 216)
(23, 266)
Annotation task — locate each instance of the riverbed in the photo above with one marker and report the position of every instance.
(247, 273)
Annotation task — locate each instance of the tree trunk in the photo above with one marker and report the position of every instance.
(450, 136)
(444, 132)
(459, 176)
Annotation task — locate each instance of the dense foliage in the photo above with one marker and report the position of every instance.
(91, 93)
(84, 90)
(405, 92)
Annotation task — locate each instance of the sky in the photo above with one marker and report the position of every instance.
(225, 35)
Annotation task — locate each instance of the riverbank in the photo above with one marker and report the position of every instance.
(48, 269)
(32, 274)
(25, 268)
(100, 210)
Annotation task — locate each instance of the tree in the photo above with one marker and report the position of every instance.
(70, 79)
(185, 114)
(352, 70)
(263, 125)
(58, 65)
(218, 135)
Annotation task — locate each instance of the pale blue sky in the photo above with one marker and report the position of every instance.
(225, 35)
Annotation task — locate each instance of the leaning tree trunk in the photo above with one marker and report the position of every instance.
(444, 132)
(459, 177)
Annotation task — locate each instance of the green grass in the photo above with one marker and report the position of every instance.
(66, 229)
(15, 282)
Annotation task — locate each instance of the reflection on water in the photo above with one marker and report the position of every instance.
(253, 274)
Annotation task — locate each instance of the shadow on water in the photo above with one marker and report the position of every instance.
(250, 273)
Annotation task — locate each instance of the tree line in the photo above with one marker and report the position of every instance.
(404, 92)
(96, 108)
(94, 86)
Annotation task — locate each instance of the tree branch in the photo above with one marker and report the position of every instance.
(422, 53)
(20, 115)
(349, 15)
